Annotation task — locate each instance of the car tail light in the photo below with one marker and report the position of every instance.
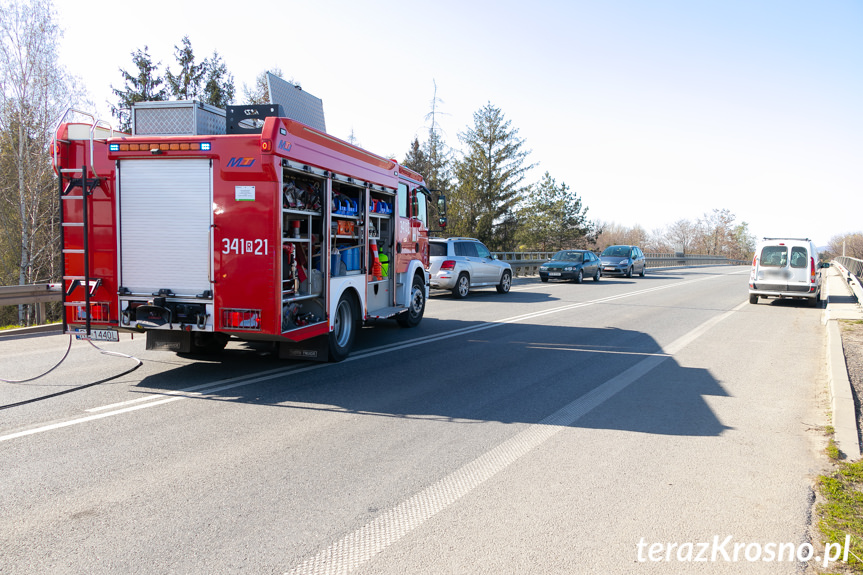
(448, 265)
(812, 270)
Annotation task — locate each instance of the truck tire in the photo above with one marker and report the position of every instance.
(416, 305)
(341, 339)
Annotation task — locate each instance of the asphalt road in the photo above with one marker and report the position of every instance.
(624, 426)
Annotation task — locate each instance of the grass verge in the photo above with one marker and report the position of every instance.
(840, 512)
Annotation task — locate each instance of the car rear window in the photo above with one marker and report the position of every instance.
(799, 258)
(437, 249)
(774, 256)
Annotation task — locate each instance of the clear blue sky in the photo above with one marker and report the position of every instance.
(651, 110)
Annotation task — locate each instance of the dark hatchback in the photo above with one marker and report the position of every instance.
(571, 265)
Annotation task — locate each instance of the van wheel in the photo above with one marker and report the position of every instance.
(462, 286)
(416, 307)
(753, 298)
(629, 272)
(642, 271)
(813, 302)
(341, 339)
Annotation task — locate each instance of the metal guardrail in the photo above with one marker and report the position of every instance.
(853, 265)
(527, 263)
(38, 294)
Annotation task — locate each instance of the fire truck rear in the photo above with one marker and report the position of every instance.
(196, 235)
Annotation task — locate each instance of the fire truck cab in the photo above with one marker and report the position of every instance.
(287, 235)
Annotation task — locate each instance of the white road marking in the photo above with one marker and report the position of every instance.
(203, 389)
(362, 545)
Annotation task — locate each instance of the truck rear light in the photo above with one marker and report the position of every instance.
(244, 319)
(266, 145)
(98, 312)
(447, 265)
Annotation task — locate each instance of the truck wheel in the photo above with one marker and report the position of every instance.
(505, 283)
(462, 286)
(341, 339)
(416, 306)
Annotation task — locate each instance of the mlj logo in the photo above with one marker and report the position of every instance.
(241, 162)
(284, 146)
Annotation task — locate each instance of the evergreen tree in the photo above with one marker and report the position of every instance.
(145, 86)
(218, 83)
(186, 84)
(490, 179)
(552, 217)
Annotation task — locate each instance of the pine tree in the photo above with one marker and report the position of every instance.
(186, 84)
(552, 217)
(490, 179)
(145, 86)
(218, 83)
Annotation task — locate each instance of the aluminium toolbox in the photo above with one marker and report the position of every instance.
(177, 118)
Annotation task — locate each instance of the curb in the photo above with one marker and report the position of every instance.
(841, 398)
(839, 385)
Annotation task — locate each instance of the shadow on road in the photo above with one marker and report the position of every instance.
(514, 373)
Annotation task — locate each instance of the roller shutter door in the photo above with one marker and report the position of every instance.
(165, 215)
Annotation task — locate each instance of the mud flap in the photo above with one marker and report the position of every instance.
(176, 341)
(313, 349)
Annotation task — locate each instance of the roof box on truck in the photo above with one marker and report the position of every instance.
(177, 118)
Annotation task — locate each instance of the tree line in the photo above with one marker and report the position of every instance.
(485, 178)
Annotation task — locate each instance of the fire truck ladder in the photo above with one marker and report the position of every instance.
(71, 179)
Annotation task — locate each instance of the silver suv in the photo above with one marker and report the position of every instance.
(461, 264)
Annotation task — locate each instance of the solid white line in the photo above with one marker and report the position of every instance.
(362, 545)
(203, 389)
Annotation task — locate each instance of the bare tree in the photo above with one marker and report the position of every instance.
(681, 235)
(34, 91)
(850, 245)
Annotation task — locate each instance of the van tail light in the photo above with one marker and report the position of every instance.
(812, 270)
(448, 265)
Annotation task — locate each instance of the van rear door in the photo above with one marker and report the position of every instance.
(773, 272)
(798, 280)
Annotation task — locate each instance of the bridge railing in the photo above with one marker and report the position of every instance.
(853, 265)
(523, 264)
(527, 263)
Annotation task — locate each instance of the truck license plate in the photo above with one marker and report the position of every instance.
(98, 334)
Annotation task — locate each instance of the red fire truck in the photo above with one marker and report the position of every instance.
(287, 235)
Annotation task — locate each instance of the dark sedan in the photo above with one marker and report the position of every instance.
(571, 265)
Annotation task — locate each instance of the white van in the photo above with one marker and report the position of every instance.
(786, 268)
